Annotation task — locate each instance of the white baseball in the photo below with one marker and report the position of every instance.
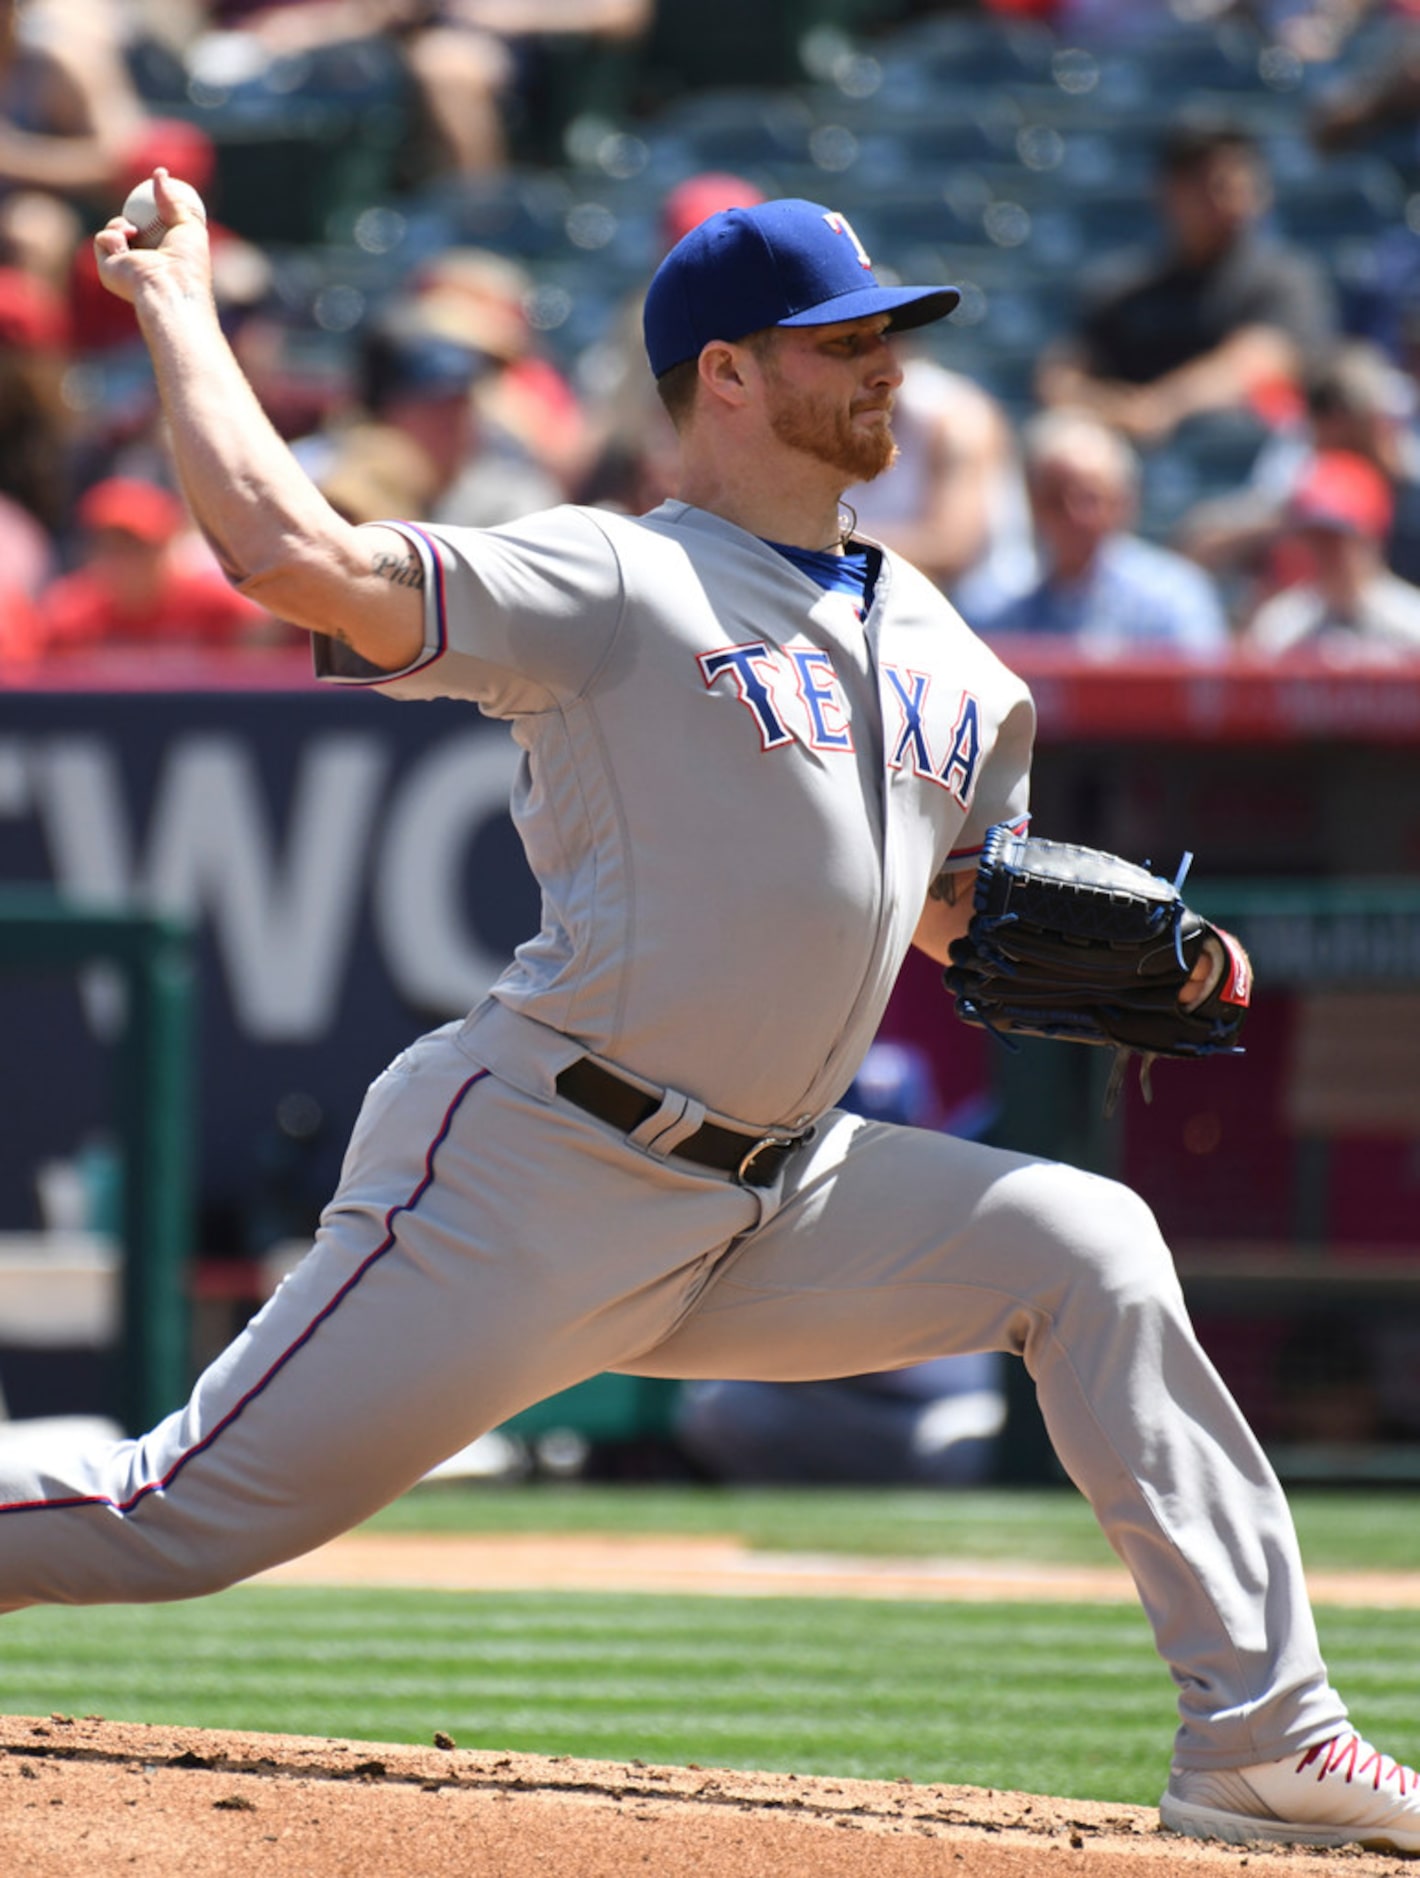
(141, 208)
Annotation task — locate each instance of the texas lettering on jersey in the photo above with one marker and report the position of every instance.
(794, 696)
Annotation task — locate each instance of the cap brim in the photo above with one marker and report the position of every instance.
(1331, 522)
(909, 307)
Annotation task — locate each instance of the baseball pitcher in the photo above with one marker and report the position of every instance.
(761, 758)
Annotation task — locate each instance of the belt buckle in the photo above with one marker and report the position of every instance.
(776, 1138)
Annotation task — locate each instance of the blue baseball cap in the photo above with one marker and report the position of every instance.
(784, 263)
(402, 358)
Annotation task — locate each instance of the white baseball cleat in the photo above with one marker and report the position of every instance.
(1342, 1793)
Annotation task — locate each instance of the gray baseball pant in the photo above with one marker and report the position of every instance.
(487, 1247)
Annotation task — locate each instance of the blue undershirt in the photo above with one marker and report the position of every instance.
(849, 573)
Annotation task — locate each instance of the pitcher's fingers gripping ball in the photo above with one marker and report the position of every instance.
(142, 210)
(1071, 942)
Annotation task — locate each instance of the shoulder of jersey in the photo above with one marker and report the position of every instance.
(914, 592)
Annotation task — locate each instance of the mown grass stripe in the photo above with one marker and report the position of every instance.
(1067, 1699)
(1052, 1698)
(1339, 1529)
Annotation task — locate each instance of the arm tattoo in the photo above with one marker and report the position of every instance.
(948, 887)
(401, 570)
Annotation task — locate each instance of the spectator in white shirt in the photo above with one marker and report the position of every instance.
(1351, 604)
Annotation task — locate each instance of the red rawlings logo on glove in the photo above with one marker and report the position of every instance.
(1236, 987)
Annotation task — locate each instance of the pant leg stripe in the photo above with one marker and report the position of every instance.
(257, 1388)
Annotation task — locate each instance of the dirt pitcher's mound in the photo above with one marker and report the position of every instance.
(91, 1798)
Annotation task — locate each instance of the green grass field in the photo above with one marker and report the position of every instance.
(1064, 1699)
(1339, 1531)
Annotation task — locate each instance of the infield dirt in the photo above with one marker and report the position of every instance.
(86, 1798)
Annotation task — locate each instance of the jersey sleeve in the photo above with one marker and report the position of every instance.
(518, 619)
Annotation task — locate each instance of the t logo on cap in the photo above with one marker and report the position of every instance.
(784, 263)
(841, 225)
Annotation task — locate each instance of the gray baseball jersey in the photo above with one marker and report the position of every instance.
(736, 795)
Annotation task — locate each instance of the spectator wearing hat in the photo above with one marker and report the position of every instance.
(1101, 587)
(418, 382)
(1358, 401)
(700, 196)
(1351, 603)
(136, 587)
(480, 299)
(421, 383)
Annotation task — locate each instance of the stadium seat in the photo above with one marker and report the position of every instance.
(960, 54)
(522, 213)
(1360, 195)
(308, 143)
(732, 129)
(1226, 58)
(1207, 456)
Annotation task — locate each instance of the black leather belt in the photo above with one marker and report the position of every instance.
(754, 1160)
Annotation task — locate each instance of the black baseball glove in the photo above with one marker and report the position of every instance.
(1070, 942)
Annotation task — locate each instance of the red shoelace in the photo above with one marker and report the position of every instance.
(1360, 1761)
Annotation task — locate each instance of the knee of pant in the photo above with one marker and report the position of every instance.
(165, 1551)
(1108, 1238)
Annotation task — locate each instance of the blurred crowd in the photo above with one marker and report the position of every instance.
(447, 401)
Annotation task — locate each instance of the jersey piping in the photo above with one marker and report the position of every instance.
(259, 1387)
